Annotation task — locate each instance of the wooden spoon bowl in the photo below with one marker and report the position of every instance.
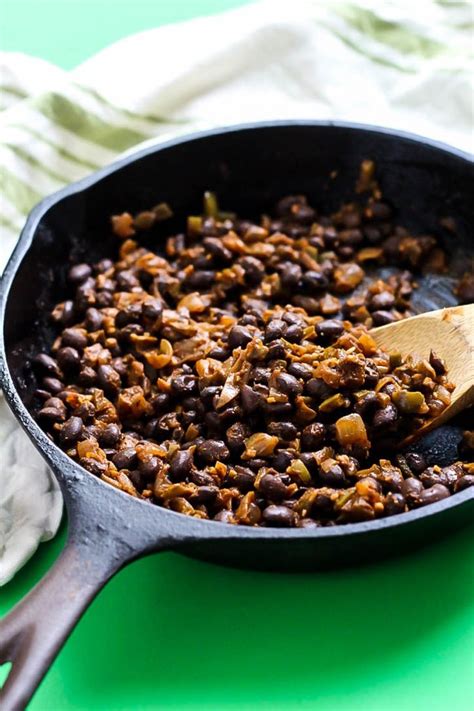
(450, 334)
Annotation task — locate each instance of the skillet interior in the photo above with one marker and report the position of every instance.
(250, 169)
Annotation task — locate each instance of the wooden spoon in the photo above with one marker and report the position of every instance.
(450, 334)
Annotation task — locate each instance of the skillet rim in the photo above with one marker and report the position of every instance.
(66, 470)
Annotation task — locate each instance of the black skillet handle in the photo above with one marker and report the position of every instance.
(32, 634)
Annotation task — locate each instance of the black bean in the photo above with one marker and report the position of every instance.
(416, 462)
(86, 410)
(435, 493)
(239, 336)
(41, 394)
(249, 320)
(371, 375)
(276, 328)
(200, 279)
(94, 319)
(309, 303)
(74, 337)
(382, 302)
(294, 333)
(254, 270)
(437, 363)
(464, 482)
(181, 465)
(53, 385)
(47, 364)
(236, 436)
(110, 435)
(104, 265)
(257, 463)
(52, 412)
(251, 399)
(260, 374)
(314, 281)
(272, 487)
(183, 384)
(128, 315)
(288, 384)
(290, 274)
(317, 388)
(292, 318)
(279, 516)
(385, 417)
(108, 379)
(244, 478)
(126, 281)
(79, 273)
(285, 431)
(300, 370)
(313, 436)
(69, 359)
(218, 250)
(212, 450)
(205, 495)
(85, 295)
(394, 503)
(138, 480)
(308, 523)
(213, 424)
(231, 413)
(152, 310)
(65, 314)
(104, 299)
(160, 402)
(87, 377)
(329, 329)
(278, 409)
(281, 460)
(412, 490)
(333, 476)
(202, 478)
(219, 353)
(276, 349)
(381, 318)
(309, 461)
(366, 404)
(125, 459)
(71, 431)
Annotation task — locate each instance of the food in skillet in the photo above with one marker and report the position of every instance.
(231, 376)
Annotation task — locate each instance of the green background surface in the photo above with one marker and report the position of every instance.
(169, 632)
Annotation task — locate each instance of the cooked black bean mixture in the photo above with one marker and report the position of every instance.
(231, 375)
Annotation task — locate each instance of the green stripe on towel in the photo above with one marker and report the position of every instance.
(59, 149)
(74, 118)
(18, 192)
(120, 109)
(39, 165)
(391, 34)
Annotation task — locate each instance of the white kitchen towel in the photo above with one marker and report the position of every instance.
(402, 64)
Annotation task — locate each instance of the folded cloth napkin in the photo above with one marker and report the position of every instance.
(401, 64)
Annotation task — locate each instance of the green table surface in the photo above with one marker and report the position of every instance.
(168, 632)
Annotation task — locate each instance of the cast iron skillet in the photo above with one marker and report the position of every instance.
(250, 167)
